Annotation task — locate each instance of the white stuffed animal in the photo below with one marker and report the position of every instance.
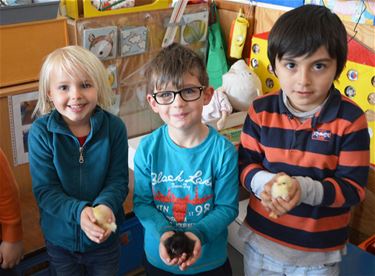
(240, 87)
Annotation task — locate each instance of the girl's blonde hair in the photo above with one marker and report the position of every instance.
(76, 62)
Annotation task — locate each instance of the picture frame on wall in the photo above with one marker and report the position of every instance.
(133, 41)
(21, 108)
(102, 42)
(194, 27)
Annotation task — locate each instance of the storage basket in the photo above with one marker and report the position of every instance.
(83, 8)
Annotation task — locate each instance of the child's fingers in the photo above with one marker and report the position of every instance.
(183, 266)
(266, 197)
(105, 236)
(182, 258)
(280, 206)
(93, 231)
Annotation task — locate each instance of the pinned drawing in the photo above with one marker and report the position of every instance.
(194, 28)
(101, 41)
(133, 41)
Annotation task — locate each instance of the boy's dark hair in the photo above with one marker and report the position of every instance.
(170, 65)
(303, 30)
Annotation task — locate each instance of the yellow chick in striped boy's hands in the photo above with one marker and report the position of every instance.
(102, 219)
(281, 188)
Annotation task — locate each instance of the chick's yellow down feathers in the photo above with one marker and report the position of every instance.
(102, 220)
(280, 188)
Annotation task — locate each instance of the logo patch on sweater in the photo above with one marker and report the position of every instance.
(321, 135)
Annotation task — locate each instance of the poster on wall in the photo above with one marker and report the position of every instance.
(194, 27)
(102, 42)
(362, 12)
(21, 108)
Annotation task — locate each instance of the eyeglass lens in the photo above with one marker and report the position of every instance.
(187, 94)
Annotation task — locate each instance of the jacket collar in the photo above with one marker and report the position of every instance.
(57, 124)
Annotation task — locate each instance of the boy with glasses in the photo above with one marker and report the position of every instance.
(185, 172)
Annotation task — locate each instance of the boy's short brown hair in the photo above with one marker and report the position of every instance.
(170, 65)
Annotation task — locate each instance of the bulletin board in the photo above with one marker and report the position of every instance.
(136, 38)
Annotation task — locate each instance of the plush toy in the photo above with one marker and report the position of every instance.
(240, 86)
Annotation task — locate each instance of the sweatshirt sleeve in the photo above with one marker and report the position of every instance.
(226, 199)
(347, 186)
(10, 209)
(250, 152)
(143, 201)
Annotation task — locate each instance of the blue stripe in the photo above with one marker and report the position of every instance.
(299, 140)
(329, 193)
(349, 192)
(358, 140)
(349, 111)
(318, 240)
(251, 128)
(317, 212)
(358, 174)
(268, 103)
(289, 169)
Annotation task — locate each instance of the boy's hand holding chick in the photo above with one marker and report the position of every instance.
(281, 194)
(179, 248)
(98, 223)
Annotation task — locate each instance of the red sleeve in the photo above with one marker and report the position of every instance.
(10, 209)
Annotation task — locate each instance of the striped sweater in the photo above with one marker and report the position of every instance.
(331, 147)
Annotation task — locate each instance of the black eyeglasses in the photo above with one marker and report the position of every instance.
(188, 94)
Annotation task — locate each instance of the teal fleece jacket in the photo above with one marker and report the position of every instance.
(67, 177)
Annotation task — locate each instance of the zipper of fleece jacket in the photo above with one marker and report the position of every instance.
(81, 159)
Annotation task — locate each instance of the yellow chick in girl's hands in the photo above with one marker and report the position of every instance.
(281, 188)
(102, 219)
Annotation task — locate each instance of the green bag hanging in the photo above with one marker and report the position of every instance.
(216, 59)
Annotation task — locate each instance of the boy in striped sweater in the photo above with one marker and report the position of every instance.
(314, 134)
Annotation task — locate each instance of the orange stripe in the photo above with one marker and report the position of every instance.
(301, 158)
(354, 158)
(339, 127)
(253, 115)
(339, 198)
(246, 171)
(296, 246)
(359, 124)
(343, 126)
(248, 142)
(303, 223)
(276, 120)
